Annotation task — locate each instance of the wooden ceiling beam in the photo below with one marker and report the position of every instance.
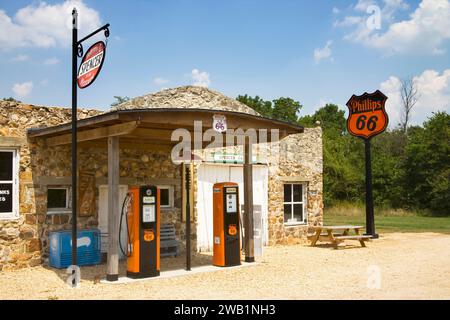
(94, 134)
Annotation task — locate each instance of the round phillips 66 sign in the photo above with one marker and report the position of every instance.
(91, 64)
(367, 115)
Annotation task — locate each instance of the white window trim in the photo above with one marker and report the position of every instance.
(171, 196)
(14, 215)
(68, 208)
(303, 202)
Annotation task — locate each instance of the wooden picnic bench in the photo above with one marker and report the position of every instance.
(336, 235)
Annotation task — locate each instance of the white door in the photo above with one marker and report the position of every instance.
(208, 175)
(103, 217)
(260, 203)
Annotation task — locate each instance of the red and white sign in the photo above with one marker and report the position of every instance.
(91, 64)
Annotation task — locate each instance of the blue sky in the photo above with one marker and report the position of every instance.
(312, 51)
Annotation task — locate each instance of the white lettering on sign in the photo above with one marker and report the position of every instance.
(91, 64)
(148, 199)
(4, 193)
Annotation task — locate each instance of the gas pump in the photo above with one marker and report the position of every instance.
(143, 228)
(226, 225)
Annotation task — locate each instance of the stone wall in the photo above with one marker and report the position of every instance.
(295, 159)
(300, 160)
(20, 239)
(24, 241)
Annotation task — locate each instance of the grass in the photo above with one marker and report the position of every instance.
(386, 220)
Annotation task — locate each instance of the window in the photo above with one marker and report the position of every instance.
(58, 200)
(9, 194)
(166, 196)
(295, 203)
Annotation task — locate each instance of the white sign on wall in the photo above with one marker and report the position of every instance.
(219, 123)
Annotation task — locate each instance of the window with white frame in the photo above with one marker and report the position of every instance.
(166, 196)
(295, 203)
(9, 185)
(58, 199)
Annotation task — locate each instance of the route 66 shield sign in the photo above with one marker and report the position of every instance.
(367, 115)
(219, 123)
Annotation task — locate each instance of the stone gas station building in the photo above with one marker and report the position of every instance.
(35, 173)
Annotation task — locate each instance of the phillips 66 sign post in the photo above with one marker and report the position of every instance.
(367, 118)
(367, 115)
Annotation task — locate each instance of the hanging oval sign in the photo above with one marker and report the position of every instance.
(91, 64)
(367, 115)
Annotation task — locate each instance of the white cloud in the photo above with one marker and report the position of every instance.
(20, 58)
(348, 21)
(324, 53)
(434, 95)
(51, 61)
(160, 81)
(22, 89)
(200, 78)
(424, 32)
(45, 25)
(336, 10)
(362, 5)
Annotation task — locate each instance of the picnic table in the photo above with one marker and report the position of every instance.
(338, 234)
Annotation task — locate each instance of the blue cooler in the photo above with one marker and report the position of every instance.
(88, 243)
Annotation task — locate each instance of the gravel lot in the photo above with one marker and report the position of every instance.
(412, 266)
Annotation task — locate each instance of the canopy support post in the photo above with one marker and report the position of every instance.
(248, 202)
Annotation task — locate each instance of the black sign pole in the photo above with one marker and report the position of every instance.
(188, 216)
(370, 218)
(77, 50)
(74, 136)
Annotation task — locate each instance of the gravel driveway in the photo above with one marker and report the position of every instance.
(411, 266)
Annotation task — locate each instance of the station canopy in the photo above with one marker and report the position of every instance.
(151, 119)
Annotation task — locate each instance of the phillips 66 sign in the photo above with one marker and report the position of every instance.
(367, 115)
(91, 64)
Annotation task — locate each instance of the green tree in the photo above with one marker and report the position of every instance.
(264, 108)
(388, 151)
(343, 171)
(331, 118)
(307, 121)
(286, 109)
(427, 165)
(11, 99)
(119, 100)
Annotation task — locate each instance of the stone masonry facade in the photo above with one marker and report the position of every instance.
(24, 241)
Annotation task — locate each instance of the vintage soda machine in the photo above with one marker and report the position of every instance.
(143, 228)
(226, 225)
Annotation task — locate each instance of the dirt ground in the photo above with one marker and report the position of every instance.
(411, 266)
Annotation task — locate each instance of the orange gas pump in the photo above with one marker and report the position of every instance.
(226, 250)
(143, 232)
